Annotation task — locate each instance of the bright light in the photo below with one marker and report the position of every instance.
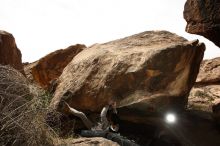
(170, 118)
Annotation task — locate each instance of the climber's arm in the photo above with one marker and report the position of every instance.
(81, 115)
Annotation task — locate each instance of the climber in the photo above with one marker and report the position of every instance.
(108, 128)
(109, 118)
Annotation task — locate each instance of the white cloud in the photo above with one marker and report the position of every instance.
(42, 26)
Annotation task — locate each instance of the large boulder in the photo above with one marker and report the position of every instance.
(203, 18)
(51, 66)
(150, 70)
(9, 53)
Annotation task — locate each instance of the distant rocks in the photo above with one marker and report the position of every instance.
(28, 70)
(205, 95)
(151, 70)
(9, 53)
(202, 97)
(209, 71)
(51, 66)
(203, 18)
(207, 86)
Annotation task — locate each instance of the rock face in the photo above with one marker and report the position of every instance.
(203, 18)
(150, 70)
(9, 53)
(51, 66)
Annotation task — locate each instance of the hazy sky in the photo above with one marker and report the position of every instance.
(42, 26)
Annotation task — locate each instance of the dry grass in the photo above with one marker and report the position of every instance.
(23, 123)
(23, 110)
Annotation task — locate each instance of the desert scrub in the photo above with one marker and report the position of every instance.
(22, 112)
(23, 122)
(44, 96)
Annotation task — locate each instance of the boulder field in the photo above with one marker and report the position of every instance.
(148, 72)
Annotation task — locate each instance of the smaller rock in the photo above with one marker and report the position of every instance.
(96, 141)
(51, 66)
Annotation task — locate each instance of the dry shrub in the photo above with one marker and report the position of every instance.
(23, 108)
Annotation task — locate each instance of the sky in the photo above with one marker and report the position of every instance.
(43, 26)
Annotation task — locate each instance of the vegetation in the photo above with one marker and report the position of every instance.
(23, 118)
